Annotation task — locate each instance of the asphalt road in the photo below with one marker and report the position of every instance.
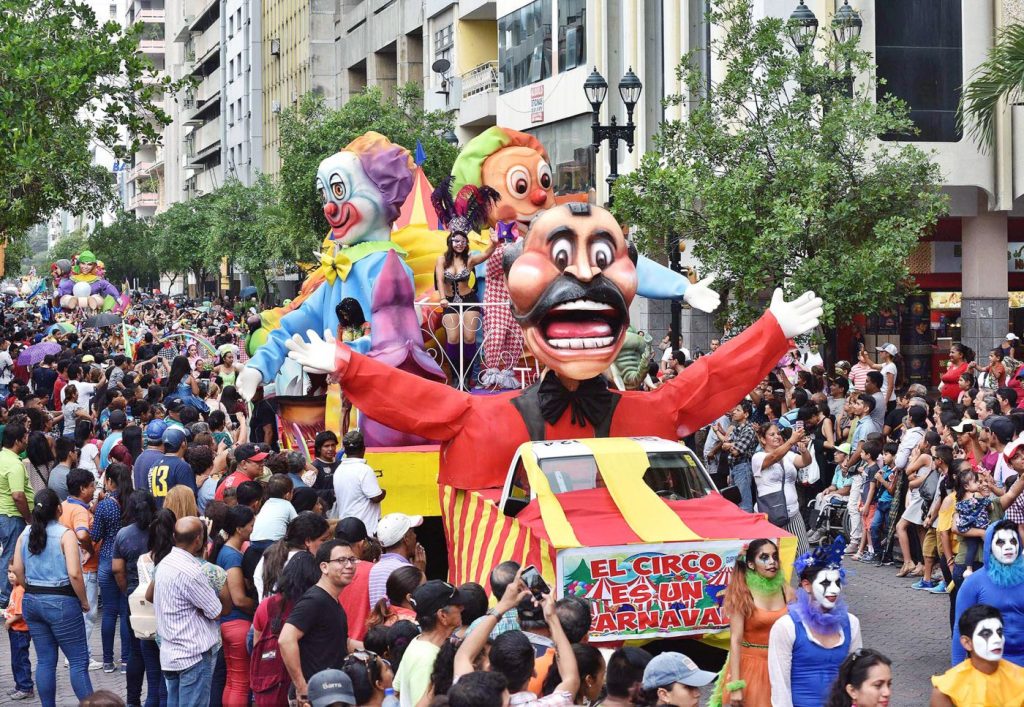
(910, 627)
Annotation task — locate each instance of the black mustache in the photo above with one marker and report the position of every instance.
(566, 288)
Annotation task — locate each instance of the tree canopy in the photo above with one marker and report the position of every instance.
(311, 131)
(69, 86)
(780, 186)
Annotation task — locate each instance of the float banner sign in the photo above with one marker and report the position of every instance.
(650, 591)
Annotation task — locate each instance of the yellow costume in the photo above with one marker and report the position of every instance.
(969, 687)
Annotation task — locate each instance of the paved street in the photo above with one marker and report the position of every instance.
(908, 626)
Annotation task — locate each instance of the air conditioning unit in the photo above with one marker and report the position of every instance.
(275, 106)
(275, 47)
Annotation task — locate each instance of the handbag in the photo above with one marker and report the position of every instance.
(774, 505)
(927, 491)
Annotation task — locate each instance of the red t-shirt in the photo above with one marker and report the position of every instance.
(14, 609)
(355, 600)
(229, 482)
(950, 387)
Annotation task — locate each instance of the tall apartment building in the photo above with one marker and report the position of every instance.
(144, 179)
(298, 56)
(203, 37)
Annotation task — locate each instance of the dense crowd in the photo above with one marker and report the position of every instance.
(140, 496)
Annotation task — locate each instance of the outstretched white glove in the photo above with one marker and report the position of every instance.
(318, 355)
(248, 381)
(796, 317)
(699, 295)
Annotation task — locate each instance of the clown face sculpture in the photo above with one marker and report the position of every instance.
(571, 282)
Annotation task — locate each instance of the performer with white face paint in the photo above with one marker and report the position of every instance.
(1000, 583)
(807, 645)
(984, 679)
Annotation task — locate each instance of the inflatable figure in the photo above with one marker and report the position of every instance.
(570, 280)
(516, 165)
(362, 188)
(83, 286)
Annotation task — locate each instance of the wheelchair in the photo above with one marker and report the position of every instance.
(837, 521)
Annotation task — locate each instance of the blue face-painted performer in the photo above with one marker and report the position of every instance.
(1000, 583)
(807, 646)
(362, 189)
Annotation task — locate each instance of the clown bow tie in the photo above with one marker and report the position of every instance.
(590, 402)
(335, 266)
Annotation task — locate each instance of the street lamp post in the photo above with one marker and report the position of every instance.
(596, 88)
(846, 26)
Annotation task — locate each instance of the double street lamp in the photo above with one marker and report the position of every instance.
(846, 26)
(596, 89)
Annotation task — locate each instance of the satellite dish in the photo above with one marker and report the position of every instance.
(441, 66)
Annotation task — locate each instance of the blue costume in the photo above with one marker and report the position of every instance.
(814, 667)
(318, 313)
(1001, 586)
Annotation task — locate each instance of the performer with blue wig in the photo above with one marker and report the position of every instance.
(807, 645)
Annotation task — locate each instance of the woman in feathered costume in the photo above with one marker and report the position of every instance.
(466, 213)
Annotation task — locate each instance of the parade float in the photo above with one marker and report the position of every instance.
(80, 285)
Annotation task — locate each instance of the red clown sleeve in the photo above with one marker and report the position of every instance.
(713, 384)
(404, 401)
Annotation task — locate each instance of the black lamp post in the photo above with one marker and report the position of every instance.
(596, 89)
(450, 137)
(846, 27)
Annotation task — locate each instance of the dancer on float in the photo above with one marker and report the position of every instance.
(808, 644)
(1000, 583)
(984, 678)
(571, 281)
(756, 598)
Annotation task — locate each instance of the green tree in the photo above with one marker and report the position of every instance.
(126, 248)
(312, 131)
(69, 246)
(998, 80)
(250, 225)
(185, 235)
(68, 85)
(781, 187)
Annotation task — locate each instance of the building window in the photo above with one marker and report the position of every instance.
(920, 55)
(572, 34)
(444, 39)
(113, 11)
(524, 46)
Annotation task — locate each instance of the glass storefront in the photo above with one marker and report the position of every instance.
(524, 46)
(572, 157)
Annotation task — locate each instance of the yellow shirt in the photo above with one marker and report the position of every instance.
(944, 523)
(968, 687)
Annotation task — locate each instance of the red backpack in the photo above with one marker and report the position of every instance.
(268, 675)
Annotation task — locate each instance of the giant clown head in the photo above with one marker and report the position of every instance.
(362, 188)
(571, 281)
(516, 166)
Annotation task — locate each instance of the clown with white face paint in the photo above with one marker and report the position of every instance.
(1000, 583)
(984, 678)
(807, 646)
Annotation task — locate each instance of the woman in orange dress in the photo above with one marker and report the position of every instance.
(756, 598)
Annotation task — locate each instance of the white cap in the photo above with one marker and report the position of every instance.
(888, 348)
(1012, 337)
(393, 527)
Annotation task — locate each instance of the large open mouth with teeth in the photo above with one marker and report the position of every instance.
(582, 324)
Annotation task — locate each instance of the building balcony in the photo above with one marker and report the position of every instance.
(205, 46)
(205, 138)
(478, 10)
(151, 16)
(140, 170)
(479, 102)
(144, 200)
(152, 47)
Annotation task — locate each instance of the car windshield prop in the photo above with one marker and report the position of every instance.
(567, 474)
(518, 492)
(676, 476)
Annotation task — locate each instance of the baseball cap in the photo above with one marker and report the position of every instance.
(842, 365)
(1002, 427)
(668, 668)
(118, 420)
(351, 529)
(844, 448)
(1012, 448)
(249, 451)
(88, 358)
(1012, 337)
(155, 430)
(436, 594)
(966, 425)
(173, 438)
(888, 348)
(328, 687)
(394, 526)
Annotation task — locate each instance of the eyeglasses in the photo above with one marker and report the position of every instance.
(346, 560)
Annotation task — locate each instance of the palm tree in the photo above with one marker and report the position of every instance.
(1000, 77)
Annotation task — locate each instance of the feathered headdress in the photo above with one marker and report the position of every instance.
(468, 211)
(824, 557)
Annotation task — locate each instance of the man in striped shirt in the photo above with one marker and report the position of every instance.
(187, 608)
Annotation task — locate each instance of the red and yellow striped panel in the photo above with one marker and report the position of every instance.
(480, 536)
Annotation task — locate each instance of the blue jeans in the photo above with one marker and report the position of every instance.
(156, 688)
(57, 622)
(878, 524)
(10, 529)
(742, 477)
(115, 606)
(191, 687)
(21, 663)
